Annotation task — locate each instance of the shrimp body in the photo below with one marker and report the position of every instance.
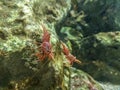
(69, 56)
(45, 48)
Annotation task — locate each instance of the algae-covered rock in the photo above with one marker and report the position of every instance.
(21, 28)
(101, 15)
(82, 81)
(92, 32)
(101, 52)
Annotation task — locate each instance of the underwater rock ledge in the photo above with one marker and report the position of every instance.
(20, 29)
(101, 53)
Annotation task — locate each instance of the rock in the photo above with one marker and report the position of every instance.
(101, 15)
(20, 29)
(96, 43)
(101, 53)
(82, 81)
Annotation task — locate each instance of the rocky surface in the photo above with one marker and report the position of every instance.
(20, 29)
(82, 81)
(102, 52)
(92, 32)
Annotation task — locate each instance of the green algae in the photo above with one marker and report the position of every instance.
(20, 28)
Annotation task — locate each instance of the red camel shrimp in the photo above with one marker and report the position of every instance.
(69, 56)
(45, 48)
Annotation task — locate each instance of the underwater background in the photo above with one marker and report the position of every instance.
(59, 44)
